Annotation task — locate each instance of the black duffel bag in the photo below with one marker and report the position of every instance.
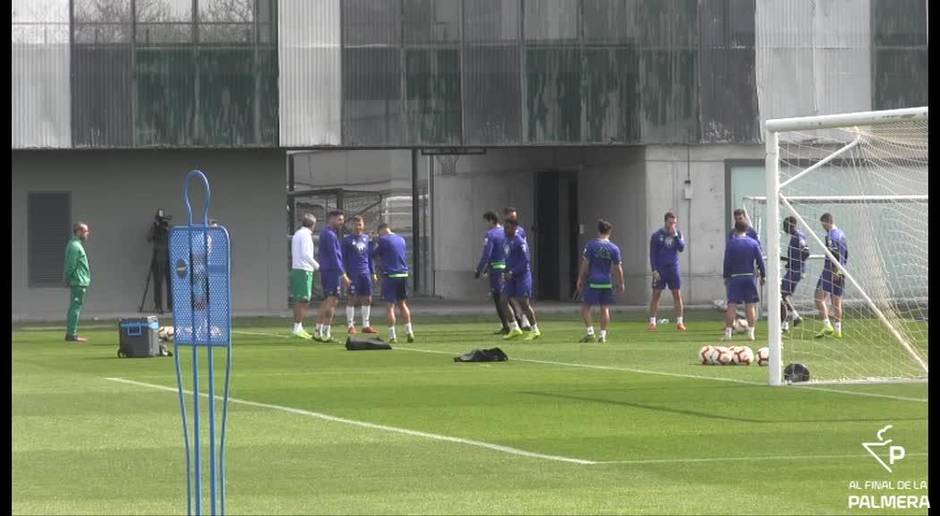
(365, 343)
(483, 355)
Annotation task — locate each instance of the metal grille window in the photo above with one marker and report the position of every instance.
(49, 229)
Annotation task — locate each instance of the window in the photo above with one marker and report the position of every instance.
(49, 228)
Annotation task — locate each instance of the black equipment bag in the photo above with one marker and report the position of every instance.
(483, 355)
(138, 337)
(365, 343)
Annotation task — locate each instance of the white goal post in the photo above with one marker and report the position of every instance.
(869, 170)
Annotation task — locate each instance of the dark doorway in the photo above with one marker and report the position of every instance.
(556, 228)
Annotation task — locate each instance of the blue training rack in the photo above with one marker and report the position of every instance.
(202, 299)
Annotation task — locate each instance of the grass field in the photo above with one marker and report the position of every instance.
(631, 426)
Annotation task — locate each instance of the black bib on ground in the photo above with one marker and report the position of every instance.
(483, 355)
(365, 343)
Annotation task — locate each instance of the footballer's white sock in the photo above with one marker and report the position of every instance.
(391, 333)
(408, 329)
(603, 334)
(366, 312)
(590, 330)
(826, 323)
(785, 326)
(319, 330)
(298, 327)
(535, 328)
(350, 316)
(679, 320)
(838, 325)
(750, 333)
(525, 321)
(653, 320)
(727, 333)
(513, 326)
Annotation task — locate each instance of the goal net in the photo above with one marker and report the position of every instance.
(868, 171)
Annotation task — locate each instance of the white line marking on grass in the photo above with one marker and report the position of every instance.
(261, 334)
(739, 459)
(872, 394)
(364, 424)
(608, 368)
(660, 373)
(497, 447)
(680, 375)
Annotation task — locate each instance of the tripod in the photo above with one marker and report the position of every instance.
(164, 278)
(157, 287)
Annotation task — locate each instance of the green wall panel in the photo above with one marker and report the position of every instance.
(206, 96)
(166, 96)
(900, 78)
(610, 95)
(431, 100)
(899, 53)
(553, 95)
(669, 95)
(237, 97)
(668, 23)
(899, 23)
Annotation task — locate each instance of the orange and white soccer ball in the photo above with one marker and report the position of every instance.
(725, 357)
(708, 355)
(763, 356)
(742, 355)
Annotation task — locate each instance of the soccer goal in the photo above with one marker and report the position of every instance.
(869, 172)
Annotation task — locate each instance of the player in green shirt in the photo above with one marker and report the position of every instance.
(77, 278)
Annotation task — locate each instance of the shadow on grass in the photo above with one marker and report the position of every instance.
(708, 415)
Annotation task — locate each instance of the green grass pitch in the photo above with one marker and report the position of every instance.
(635, 425)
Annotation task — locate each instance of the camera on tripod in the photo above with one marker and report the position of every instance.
(161, 221)
(158, 271)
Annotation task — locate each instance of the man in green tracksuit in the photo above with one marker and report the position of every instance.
(77, 278)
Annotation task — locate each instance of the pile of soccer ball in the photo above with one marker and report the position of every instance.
(733, 355)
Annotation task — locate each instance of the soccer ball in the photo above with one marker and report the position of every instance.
(740, 326)
(763, 356)
(725, 356)
(742, 355)
(707, 355)
(165, 333)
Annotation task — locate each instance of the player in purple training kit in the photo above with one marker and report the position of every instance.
(493, 263)
(831, 281)
(332, 274)
(600, 257)
(741, 254)
(516, 311)
(795, 260)
(517, 281)
(665, 246)
(357, 259)
(392, 255)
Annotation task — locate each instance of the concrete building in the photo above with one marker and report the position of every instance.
(567, 110)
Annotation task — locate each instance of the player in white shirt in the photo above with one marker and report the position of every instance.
(303, 266)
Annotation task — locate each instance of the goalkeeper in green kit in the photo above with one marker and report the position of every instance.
(77, 278)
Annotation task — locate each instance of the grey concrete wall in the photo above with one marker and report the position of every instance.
(702, 219)
(117, 193)
(612, 186)
(354, 170)
(499, 178)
